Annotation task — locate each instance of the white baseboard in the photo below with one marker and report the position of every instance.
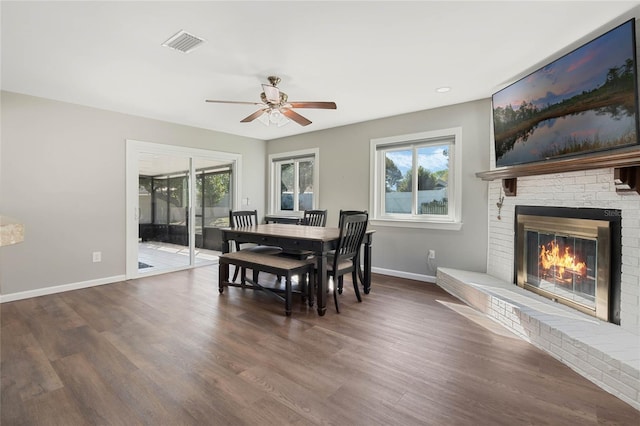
(109, 280)
(402, 274)
(59, 288)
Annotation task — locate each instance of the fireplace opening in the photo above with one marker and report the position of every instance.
(571, 256)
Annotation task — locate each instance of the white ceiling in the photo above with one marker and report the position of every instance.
(374, 59)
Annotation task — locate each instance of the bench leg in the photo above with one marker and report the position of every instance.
(287, 296)
(223, 276)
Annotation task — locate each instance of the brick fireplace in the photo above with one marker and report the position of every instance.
(589, 189)
(606, 352)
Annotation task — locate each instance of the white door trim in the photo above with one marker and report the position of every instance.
(133, 149)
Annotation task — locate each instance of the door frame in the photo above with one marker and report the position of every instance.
(133, 149)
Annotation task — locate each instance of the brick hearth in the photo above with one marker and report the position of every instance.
(602, 352)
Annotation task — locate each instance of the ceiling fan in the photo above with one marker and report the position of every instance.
(275, 107)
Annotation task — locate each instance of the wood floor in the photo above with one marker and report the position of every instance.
(169, 350)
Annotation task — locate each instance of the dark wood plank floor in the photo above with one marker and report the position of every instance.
(169, 350)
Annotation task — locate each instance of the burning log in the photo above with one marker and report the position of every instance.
(551, 259)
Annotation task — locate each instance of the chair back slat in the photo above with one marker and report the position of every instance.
(241, 218)
(315, 218)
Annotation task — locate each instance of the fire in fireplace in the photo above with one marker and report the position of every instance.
(567, 255)
(564, 266)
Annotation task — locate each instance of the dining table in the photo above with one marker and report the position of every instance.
(318, 240)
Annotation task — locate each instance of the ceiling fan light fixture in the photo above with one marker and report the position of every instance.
(264, 118)
(277, 117)
(273, 117)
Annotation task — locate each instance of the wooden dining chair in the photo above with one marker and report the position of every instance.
(310, 218)
(243, 218)
(315, 218)
(360, 272)
(353, 227)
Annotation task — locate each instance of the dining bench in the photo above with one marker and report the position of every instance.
(279, 266)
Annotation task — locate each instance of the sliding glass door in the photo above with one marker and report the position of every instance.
(177, 200)
(164, 240)
(212, 203)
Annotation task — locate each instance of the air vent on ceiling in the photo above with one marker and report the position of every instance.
(183, 41)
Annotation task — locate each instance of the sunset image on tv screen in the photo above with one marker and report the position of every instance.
(585, 101)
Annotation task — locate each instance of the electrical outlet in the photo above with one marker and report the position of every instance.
(97, 256)
(432, 254)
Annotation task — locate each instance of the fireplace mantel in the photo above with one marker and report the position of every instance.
(626, 165)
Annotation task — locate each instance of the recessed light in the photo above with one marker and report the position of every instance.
(443, 89)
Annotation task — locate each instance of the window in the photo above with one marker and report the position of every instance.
(178, 198)
(415, 179)
(161, 201)
(213, 193)
(293, 182)
(145, 200)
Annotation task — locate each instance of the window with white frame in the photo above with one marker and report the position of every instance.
(415, 179)
(293, 182)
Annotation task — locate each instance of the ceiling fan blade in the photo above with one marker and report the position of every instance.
(295, 117)
(253, 116)
(233, 102)
(319, 105)
(272, 93)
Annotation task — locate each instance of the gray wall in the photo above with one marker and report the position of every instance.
(62, 174)
(345, 180)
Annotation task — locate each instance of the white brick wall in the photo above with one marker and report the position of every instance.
(592, 189)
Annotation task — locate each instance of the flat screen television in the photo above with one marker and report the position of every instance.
(581, 103)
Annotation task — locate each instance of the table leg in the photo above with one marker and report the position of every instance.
(321, 284)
